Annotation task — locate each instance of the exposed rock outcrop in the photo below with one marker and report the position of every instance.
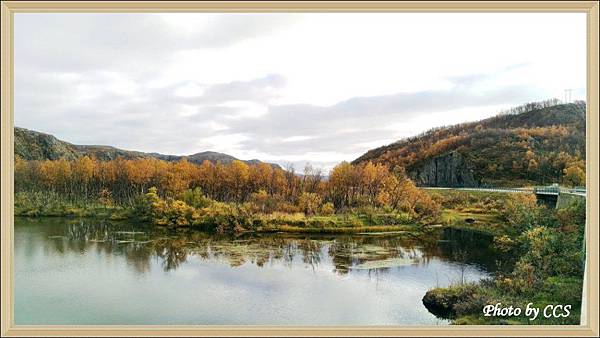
(450, 170)
(31, 145)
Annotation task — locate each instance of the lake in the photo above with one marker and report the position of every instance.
(83, 271)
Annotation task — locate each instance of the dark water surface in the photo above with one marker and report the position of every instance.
(92, 272)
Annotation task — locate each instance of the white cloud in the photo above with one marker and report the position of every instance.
(306, 87)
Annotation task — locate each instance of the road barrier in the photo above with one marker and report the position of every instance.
(546, 190)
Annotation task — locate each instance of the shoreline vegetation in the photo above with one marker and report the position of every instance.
(224, 198)
(549, 252)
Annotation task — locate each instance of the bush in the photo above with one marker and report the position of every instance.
(552, 253)
(168, 212)
(504, 243)
(327, 209)
(521, 211)
(224, 218)
(548, 271)
(195, 198)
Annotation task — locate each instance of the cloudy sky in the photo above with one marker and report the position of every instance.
(284, 88)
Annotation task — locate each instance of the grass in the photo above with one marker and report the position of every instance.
(337, 230)
(56, 208)
(490, 223)
(346, 223)
(483, 207)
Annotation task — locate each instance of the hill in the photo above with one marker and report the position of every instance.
(33, 145)
(537, 143)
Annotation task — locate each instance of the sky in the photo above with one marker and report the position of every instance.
(284, 88)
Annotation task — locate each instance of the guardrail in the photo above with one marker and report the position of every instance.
(553, 190)
(521, 190)
(547, 190)
(574, 191)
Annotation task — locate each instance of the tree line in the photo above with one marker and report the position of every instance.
(268, 189)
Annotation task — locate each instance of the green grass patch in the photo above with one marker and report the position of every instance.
(338, 230)
(490, 223)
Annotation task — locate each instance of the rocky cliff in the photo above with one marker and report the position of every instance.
(450, 170)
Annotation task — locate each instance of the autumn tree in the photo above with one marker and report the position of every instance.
(309, 202)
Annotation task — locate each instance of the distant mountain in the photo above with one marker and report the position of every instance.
(33, 145)
(532, 144)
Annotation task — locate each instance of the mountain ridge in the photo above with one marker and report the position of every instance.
(34, 145)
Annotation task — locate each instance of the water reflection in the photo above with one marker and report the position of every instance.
(70, 271)
(140, 244)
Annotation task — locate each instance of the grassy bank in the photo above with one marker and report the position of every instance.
(478, 211)
(215, 216)
(47, 204)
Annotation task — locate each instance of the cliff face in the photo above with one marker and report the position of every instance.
(450, 170)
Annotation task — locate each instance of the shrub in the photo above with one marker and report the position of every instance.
(553, 253)
(195, 198)
(521, 211)
(504, 243)
(224, 218)
(327, 209)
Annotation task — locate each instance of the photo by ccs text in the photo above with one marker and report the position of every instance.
(533, 312)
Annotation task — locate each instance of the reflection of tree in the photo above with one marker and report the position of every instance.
(140, 245)
(470, 248)
(172, 251)
(139, 255)
(460, 256)
(340, 253)
(311, 252)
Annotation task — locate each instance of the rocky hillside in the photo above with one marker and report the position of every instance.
(538, 143)
(33, 145)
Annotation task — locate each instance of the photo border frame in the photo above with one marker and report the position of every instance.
(590, 320)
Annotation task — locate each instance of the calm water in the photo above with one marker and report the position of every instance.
(90, 272)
